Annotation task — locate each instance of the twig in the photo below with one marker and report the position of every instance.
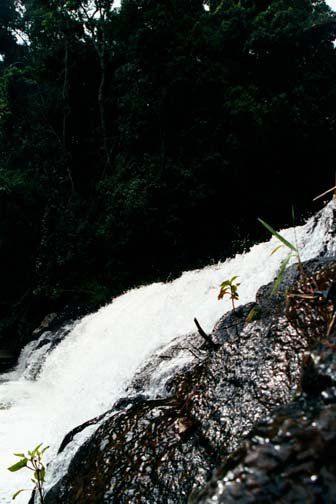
(205, 336)
(186, 349)
(325, 192)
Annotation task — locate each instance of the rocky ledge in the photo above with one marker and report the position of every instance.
(252, 419)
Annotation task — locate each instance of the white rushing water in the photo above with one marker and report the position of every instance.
(91, 368)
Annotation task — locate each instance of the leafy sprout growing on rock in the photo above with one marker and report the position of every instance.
(230, 287)
(33, 462)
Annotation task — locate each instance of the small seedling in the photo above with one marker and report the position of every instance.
(33, 462)
(230, 287)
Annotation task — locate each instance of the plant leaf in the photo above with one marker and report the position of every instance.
(293, 215)
(18, 492)
(33, 453)
(42, 475)
(278, 236)
(19, 465)
(44, 449)
(22, 455)
(276, 249)
(253, 314)
(226, 283)
(281, 272)
(223, 292)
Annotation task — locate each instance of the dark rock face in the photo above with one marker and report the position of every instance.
(258, 414)
(288, 458)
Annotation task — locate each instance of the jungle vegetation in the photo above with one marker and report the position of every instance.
(142, 140)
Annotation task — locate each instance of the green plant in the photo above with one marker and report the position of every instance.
(253, 314)
(33, 462)
(293, 251)
(229, 287)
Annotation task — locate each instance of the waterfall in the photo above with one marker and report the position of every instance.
(55, 388)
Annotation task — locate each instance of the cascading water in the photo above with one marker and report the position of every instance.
(54, 389)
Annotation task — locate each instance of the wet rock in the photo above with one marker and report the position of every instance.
(232, 323)
(313, 382)
(54, 322)
(275, 303)
(250, 422)
(290, 457)
(45, 324)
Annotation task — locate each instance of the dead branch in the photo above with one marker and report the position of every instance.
(206, 337)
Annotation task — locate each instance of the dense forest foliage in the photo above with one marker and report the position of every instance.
(139, 141)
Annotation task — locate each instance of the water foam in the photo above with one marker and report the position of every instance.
(55, 389)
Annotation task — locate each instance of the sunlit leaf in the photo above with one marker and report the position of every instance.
(44, 449)
(34, 452)
(228, 287)
(225, 284)
(278, 236)
(276, 249)
(19, 465)
(18, 492)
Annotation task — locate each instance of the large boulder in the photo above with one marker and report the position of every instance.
(252, 418)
